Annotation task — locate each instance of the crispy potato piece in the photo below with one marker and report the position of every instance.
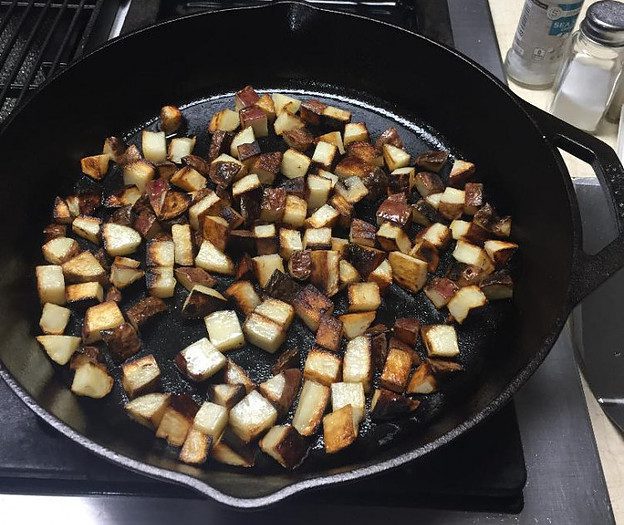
(339, 430)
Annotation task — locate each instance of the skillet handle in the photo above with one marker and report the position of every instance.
(590, 271)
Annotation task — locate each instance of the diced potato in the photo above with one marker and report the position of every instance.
(266, 239)
(285, 445)
(60, 250)
(224, 330)
(339, 429)
(322, 366)
(426, 252)
(281, 389)
(459, 228)
(200, 360)
(138, 173)
(202, 301)
(203, 208)
(343, 394)
(317, 239)
(382, 275)
(285, 103)
(394, 157)
(211, 419)
(104, 316)
(422, 381)
(232, 450)
(277, 311)
(84, 294)
(287, 122)
(407, 329)
(452, 203)
(324, 217)
(392, 238)
(464, 301)
(160, 252)
(95, 166)
(87, 228)
(244, 295)
(295, 211)
(160, 282)
(336, 117)
(461, 172)
(225, 120)
(324, 154)
(124, 272)
(246, 184)
(357, 364)
(148, 410)
(154, 146)
(265, 265)
(211, 259)
(500, 252)
(356, 323)
(352, 189)
(120, 240)
(264, 333)
(396, 370)
(363, 297)
(440, 340)
(183, 244)
(355, 132)
(440, 291)
(335, 138)
(294, 164)
(54, 319)
(310, 305)
(252, 416)
(387, 405)
(188, 179)
(408, 272)
(362, 233)
(325, 270)
(92, 380)
(329, 333)
(473, 255)
(311, 406)
(437, 234)
(180, 147)
(290, 242)
(318, 189)
(140, 376)
(50, 284)
(177, 420)
(59, 348)
(196, 447)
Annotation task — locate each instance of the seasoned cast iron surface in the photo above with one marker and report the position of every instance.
(168, 334)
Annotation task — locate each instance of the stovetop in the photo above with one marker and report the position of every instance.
(483, 472)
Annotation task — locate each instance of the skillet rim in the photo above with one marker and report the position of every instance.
(322, 480)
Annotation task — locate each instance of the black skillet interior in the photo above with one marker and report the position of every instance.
(386, 77)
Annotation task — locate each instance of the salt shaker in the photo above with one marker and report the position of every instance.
(585, 83)
(537, 49)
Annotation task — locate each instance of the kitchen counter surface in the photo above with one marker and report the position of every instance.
(610, 441)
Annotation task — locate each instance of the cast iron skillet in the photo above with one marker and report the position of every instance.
(386, 76)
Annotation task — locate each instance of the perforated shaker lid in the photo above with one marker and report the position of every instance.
(604, 23)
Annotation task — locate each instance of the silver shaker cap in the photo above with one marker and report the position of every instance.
(604, 23)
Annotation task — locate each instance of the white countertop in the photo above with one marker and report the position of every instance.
(610, 441)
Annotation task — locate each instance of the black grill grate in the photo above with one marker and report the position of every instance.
(36, 39)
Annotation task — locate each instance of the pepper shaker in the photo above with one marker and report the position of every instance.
(585, 83)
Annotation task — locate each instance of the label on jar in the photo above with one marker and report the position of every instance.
(543, 30)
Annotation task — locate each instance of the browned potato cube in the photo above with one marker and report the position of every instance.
(273, 205)
(364, 258)
(196, 448)
(440, 291)
(144, 310)
(95, 166)
(428, 183)
(243, 294)
(498, 286)
(355, 132)
(465, 301)
(452, 203)
(310, 305)
(500, 252)
(122, 341)
(408, 272)
(473, 197)
(392, 238)
(281, 389)
(255, 118)
(432, 160)
(363, 297)
(232, 450)
(387, 405)
(461, 172)
(357, 365)
(311, 111)
(325, 271)
(140, 376)
(200, 360)
(290, 242)
(202, 301)
(285, 445)
(83, 268)
(329, 333)
(295, 211)
(356, 323)
(317, 239)
(351, 188)
(382, 275)
(51, 284)
(426, 252)
(325, 217)
(339, 430)
(362, 233)
(265, 265)
(322, 366)
(396, 371)
(440, 340)
(298, 139)
(422, 381)
(60, 250)
(394, 209)
(311, 407)
(160, 282)
(226, 395)
(104, 316)
(407, 329)
(148, 410)
(252, 416)
(177, 419)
